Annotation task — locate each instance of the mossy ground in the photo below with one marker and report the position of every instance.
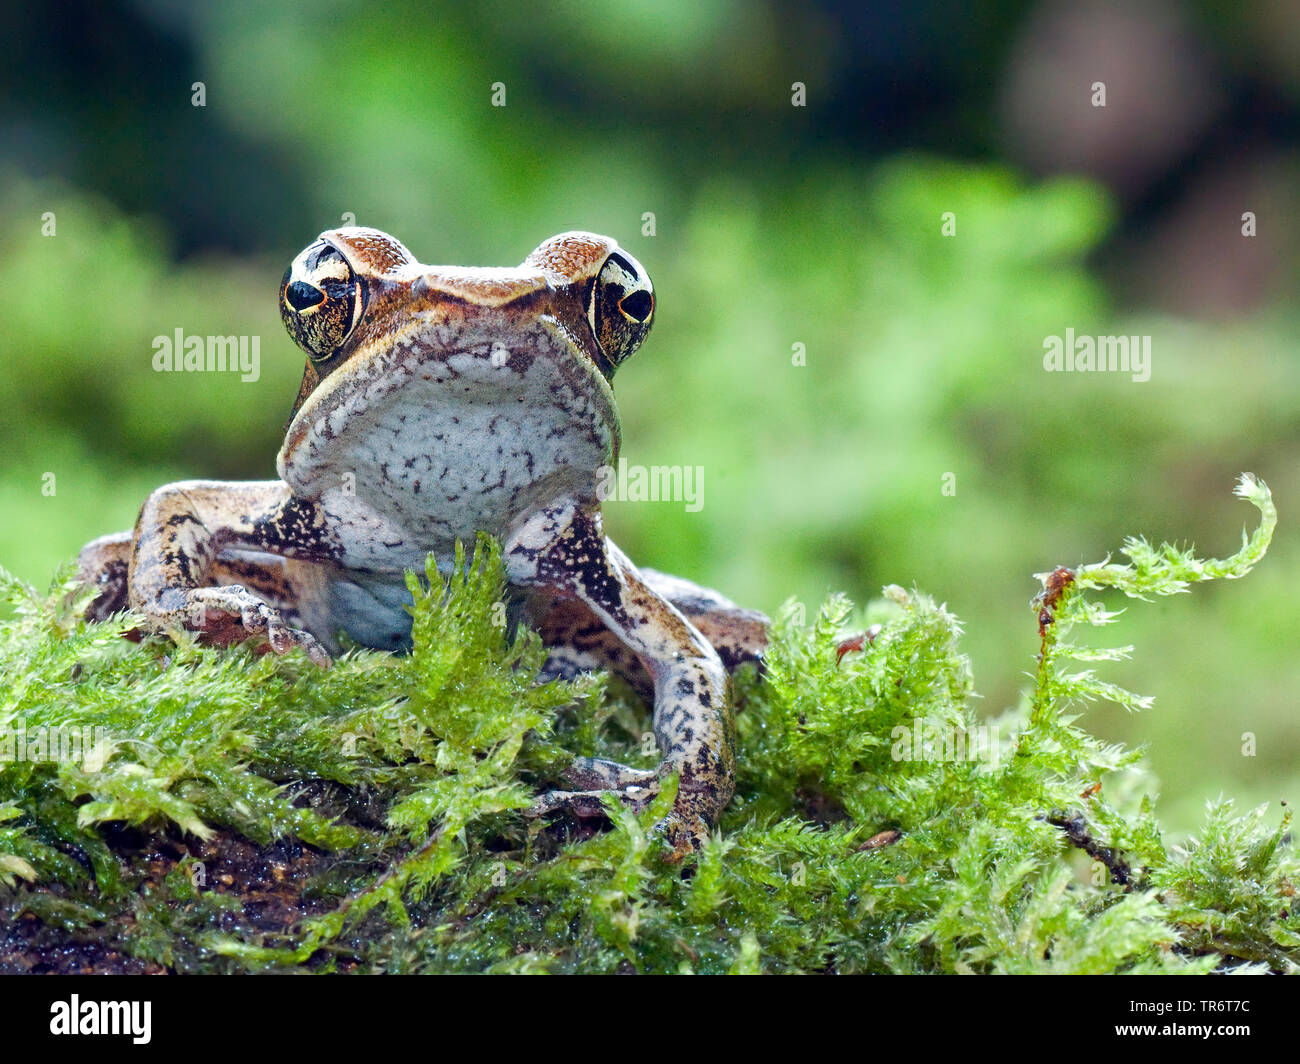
(240, 812)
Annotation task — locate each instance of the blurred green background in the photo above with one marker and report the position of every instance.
(775, 225)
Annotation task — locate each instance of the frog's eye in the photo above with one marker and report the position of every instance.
(620, 307)
(321, 300)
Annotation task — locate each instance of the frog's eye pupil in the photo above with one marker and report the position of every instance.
(637, 305)
(300, 295)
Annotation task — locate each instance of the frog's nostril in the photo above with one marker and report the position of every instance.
(300, 295)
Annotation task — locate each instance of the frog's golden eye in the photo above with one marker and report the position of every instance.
(321, 300)
(620, 307)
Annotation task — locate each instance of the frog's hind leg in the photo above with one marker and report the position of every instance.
(103, 564)
(579, 641)
(737, 634)
(643, 630)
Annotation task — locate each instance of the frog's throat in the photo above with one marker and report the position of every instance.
(379, 366)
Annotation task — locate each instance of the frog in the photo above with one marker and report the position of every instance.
(438, 403)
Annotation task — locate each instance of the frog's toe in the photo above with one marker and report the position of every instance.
(587, 804)
(232, 614)
(599, 774)
(682, 835)
(283, 639)
(213, 609)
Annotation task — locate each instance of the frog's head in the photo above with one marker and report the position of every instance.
(396, 348)
(598, 291)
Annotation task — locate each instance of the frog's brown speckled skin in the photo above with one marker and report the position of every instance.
(438, 402)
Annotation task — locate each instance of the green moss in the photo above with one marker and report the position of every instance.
(252, 812)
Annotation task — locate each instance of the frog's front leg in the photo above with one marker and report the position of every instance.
(181, 530)
(563, 549)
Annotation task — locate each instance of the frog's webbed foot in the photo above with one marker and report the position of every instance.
(682, 832)
(232, 614)
(587, 804)
(599, 774)
(592, 778)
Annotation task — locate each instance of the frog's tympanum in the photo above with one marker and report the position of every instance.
(438, 402)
